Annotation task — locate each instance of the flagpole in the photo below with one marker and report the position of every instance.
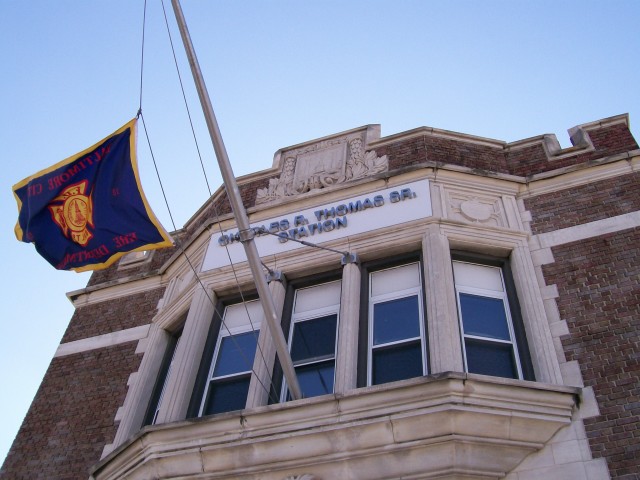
(238, 210)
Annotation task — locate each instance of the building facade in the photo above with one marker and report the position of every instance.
(473, 313)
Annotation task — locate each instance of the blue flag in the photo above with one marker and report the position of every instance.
(87, 211)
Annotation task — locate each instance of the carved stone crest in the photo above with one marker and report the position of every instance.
(476, 209)
(322, 165)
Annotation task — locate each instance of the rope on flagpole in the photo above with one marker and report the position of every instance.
(268, 390)
(215, 208)
(144, 25)
(184, 96)
(178, 244)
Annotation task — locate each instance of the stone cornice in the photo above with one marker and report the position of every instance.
(395, 430)
(576, 175)
(123, 287)
(436, 132)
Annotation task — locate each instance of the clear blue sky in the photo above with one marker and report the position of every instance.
(279, 73)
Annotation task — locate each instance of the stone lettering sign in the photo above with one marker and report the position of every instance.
(384, 208)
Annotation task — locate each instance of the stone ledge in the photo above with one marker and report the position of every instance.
(442, 426)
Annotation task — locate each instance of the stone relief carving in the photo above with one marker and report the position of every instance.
(305, 476)
(362, 163)
(322, 165)
(315, 170)
(476, 209)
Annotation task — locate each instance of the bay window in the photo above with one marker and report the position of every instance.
(392, 338)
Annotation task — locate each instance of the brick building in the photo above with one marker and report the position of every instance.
(484, 323)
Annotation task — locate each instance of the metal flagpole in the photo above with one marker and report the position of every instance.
(246, 234)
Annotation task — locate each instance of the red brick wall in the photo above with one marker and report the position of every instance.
(587, 203)
(71, 417)
(113, 315)
(599, 285)
(607, 141)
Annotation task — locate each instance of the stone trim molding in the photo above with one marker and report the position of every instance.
(588, 230)
(102, 341)
(451, 425)
(124, 287)
(576, 175)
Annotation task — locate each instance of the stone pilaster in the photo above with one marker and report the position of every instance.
(188, 356)
(347, 354)
(265, 354)
(445, 349)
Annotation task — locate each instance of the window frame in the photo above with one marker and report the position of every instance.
(212, 379)
(155, 401)
(211, 351)
(277, 380)
(298, 318)
(365, 339)
(515, 321)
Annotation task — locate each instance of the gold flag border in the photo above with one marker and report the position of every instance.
(166, 242)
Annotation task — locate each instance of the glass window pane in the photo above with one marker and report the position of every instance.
(227, 395)
(490, 358)
(396, 320)
(236, 354)
(316, 379)
(396, 363)
(314, 338)
(484, 316)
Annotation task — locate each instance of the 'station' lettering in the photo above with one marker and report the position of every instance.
(326, 220)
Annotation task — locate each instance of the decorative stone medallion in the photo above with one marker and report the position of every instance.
(477, 209)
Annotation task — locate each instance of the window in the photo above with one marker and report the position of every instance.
(396, 328)
(135, 258)
(489, 345)
(161, 384)
(227, 382)
(312, 338)
(393, 337)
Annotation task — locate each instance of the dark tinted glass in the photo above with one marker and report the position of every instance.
(490, 358)
(484, 316)
(316, 379)
(396, 363)
(236, 354)
(396, 320)
(225, 396)
(314, 338)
